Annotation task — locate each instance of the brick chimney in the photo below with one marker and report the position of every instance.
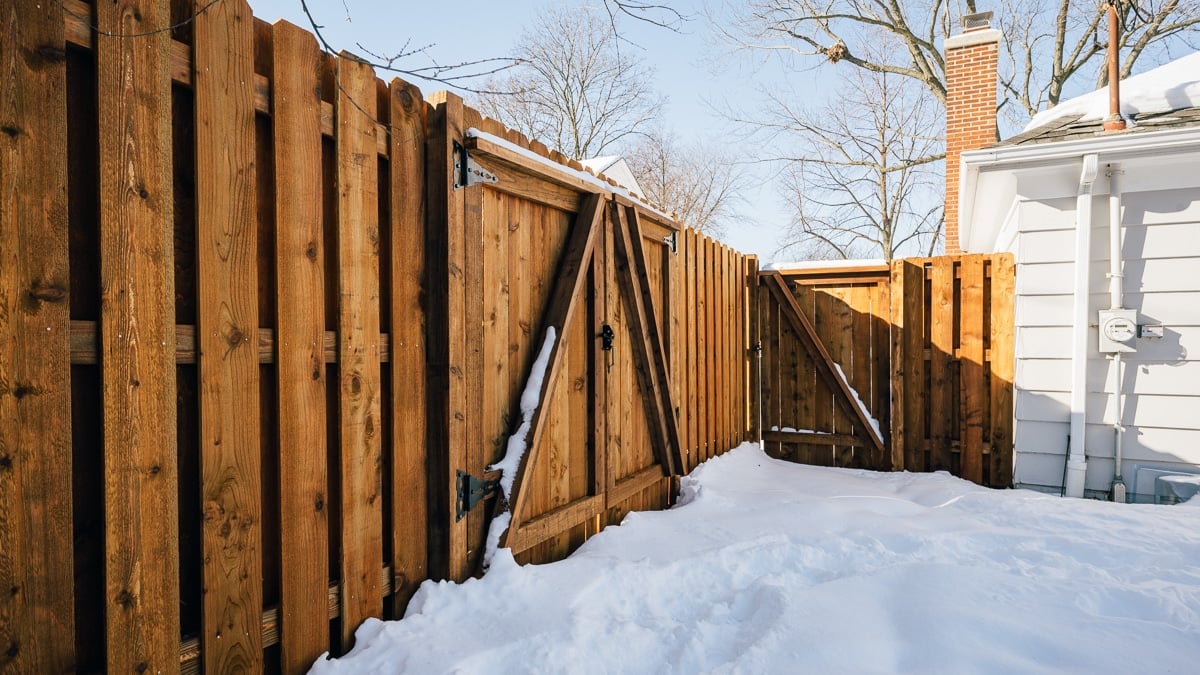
(971, 60)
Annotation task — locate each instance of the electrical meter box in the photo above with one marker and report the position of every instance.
(1118, 330)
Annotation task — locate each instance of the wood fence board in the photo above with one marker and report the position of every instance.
(700, 325)
(474, 272)
(36, 524)
(446, 338)
(1001, 380)
(300, 362)
(496, 301)
(720, 401)
(138, 366)
(688, 344)
(974, 397)
(900, 369)
(862, 359)
(917, 398)
(410, 518)
(358, 348)
(941, 321)
(600, 380)
(711, 321)
(579, 395)
(227, 323)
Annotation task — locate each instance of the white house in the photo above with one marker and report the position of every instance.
(1105, 230)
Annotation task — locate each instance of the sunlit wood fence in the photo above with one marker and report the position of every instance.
(256, 348)
(926, 346)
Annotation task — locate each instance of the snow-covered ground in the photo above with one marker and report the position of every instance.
(771, 567)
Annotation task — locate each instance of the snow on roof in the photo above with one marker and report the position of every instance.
(1173, 86)
(616, 168)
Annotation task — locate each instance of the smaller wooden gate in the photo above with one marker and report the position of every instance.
(921, 347)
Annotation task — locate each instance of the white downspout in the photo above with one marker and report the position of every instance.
(1077, 458)
(1116, 301)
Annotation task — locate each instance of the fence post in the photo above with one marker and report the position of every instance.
(446, 337)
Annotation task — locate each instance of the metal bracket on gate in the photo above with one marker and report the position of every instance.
(672, 240)
(471, 491)
(468, 172)
(606, 336)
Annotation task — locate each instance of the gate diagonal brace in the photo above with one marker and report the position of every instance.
(471, 491)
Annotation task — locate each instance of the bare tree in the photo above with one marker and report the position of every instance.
(698, 182)
(865, 177)
(1048, 43)
(574, 89)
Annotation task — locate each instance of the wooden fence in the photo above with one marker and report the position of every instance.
(250, 333)
(926, 345)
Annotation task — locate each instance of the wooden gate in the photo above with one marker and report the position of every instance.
(547, 259)
(924, 343)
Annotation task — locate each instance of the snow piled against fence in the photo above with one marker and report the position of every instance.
(771, 567)
(1172, 86)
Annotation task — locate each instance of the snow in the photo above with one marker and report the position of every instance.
(1173, 86)
(770, 567)
(859, 402)
(530, 400)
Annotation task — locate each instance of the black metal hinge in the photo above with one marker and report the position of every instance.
(468, 172)
(471, 491)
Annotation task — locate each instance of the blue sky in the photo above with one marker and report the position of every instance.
(683, 63)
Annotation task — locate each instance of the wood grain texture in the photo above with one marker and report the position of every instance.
(941, 401)
(358, 347)
(37, 608)
(300, 321)
(974, 396)
(227, 324)
(1003, 273)
(410, 480)
(137, 322)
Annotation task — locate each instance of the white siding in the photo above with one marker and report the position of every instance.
(1161, 411)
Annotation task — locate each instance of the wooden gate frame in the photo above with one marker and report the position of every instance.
(651, 364)
(826, 370)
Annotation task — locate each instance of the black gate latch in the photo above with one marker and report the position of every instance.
(606, 338)
(471, 491)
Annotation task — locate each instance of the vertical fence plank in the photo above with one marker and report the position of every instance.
(137, 328)
(37, 617)
(941, 334)
(1001, 394)
(358, 346)
(901, 367)
(227, 330)
(300, 356)
(474, 272)
(971, 348)
(410, 521)
(446, 337)
(917, 396)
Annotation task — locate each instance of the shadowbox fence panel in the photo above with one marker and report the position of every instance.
(249, 333)
(925, 343)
